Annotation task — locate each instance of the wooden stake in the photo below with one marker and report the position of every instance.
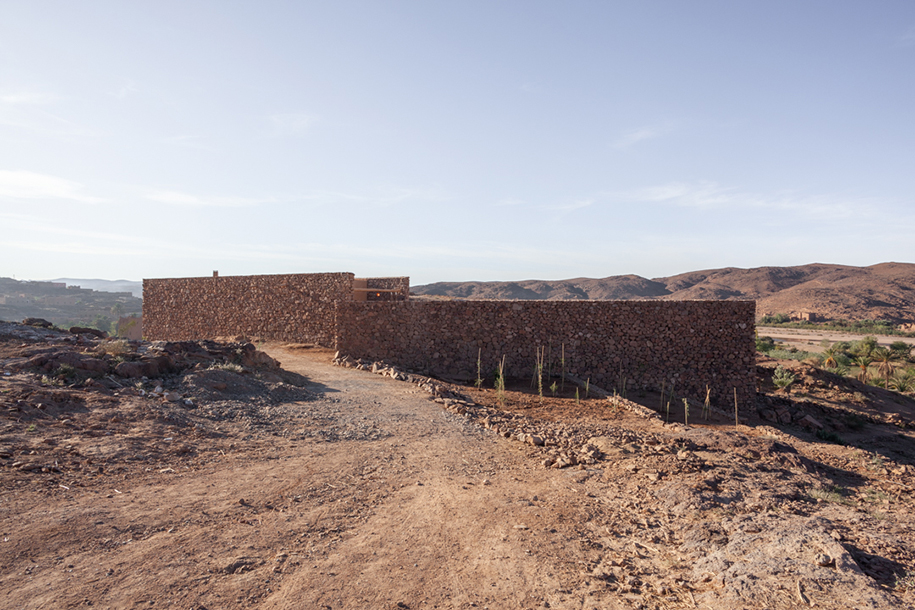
(736, 420)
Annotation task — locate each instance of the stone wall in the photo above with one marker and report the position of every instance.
(641, 344)
(400, 284)
(295, 307)
(686, 343)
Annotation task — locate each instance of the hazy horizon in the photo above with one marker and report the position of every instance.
(517, 279)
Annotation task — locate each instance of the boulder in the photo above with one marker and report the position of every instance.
(757, 557)
(39, 322)
(155, 366)
(36, 361)
(809, 422)
(768, 415)
(83, 330)
(165, 362)
(136, 369)
(252, 358)
(82, 362)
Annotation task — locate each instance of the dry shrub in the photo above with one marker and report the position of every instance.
(117, 347)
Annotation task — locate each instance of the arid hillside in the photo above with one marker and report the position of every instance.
(64, 304)
(880, 292)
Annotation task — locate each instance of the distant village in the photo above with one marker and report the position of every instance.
(117, 313)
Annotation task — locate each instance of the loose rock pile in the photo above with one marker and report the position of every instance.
(563, 445)
(133, 359)
(121, 403)
(179, 374)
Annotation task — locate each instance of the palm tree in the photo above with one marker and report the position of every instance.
(862, 362)
(829, 356)
(904, 380)
(885, 358)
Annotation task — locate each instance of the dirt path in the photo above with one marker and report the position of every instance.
(426, 511)
(441, 515)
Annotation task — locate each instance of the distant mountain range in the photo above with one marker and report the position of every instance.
(885, 291)
(880, 292)
(134, 288)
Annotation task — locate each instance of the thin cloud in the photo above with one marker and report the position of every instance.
(572, 205)
(22, 109)
(394, 195)
(32, 233)
(412, 252)
(381, 197)
(186, 199)
(125, 89)
(23, 223)
(20, 184)
(29, 118)
(50, 237)
(632, 138)
(509, 201)
(295, 124)
(708, 195)
(73, 247)
(25, 98)
(101, 244)
(186, 141)
(698, 195)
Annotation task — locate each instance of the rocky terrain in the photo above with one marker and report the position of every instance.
(63, 304)
(879, 292)
(228, 475)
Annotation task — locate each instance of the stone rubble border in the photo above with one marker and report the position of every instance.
(563, 449)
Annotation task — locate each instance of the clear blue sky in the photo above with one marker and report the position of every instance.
(453, 140)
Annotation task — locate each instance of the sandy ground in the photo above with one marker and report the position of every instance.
(370, 495)
(809, 340)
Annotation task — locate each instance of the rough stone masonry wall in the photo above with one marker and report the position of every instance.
(687, 343)
(401, 284)
(295, 307)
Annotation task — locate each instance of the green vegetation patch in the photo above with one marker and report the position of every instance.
(857, 327)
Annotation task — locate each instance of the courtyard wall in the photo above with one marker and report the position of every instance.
(618, 345)
(293, 307)
(641, 344)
